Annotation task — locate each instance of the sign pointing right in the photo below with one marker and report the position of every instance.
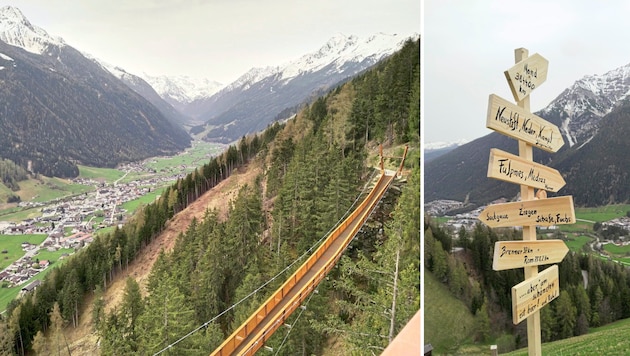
(515, 122)
(514, 169)
(518, 254)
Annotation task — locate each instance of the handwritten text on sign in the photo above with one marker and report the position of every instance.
(517, 254)
(542, 212)
(517, 123)
(514, 169)
(527, 75)
(534, 293)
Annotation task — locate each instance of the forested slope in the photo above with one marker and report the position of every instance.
(469, 276)
(316, 170)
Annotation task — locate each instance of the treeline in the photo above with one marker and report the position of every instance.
(107, 255)
(11, 174)
(593, 292)
(387, 107)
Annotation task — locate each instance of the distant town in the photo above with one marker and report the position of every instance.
(70, 223)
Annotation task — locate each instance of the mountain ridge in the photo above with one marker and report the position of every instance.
(589, 113)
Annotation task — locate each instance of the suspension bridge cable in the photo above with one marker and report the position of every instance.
(306, 253)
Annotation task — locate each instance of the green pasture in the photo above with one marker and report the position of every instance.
(132, 205)
(12, 244)
(617, 250)
(197, 156)
(576, 243)
(602, 213)
(108, 175)
(21, 215)
(611, 339)
(8, 294)
(449, 324)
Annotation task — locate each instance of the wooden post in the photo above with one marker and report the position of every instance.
(529, 232)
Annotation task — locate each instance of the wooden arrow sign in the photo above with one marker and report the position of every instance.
(516, 122)
(517, 254)
(534, 293)
(527, 75)
(514, 169)
(542, 212)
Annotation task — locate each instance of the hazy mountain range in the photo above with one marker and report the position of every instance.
(60, 107)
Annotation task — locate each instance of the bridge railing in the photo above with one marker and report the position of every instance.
(234, 340)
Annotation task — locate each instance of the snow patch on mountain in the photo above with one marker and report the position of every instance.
(5, 57)
(338, 51)
(183, 89)
(438, 145)
(582, 106)
(17, 31)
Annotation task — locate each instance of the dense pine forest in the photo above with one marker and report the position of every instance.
(316, 168)
(593, 291)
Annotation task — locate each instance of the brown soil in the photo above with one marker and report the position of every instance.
(83, 339)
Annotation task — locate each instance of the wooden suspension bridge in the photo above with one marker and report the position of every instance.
(258, 328)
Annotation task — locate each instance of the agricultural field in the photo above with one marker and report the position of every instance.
(8, 294)
(11, 244)
(576, 243)
(603, 213)
(132, 205)
(106, 175)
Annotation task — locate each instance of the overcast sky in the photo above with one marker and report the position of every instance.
(215, 39)
(469, 44)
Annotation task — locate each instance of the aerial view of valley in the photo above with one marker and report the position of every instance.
(210, 178)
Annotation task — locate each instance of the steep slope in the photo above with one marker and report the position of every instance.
(253, 101)
(590, 115)
(143, 88)
(60, 108)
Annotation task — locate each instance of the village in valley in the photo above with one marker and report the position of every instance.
(69, 224)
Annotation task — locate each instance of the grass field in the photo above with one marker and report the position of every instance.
(617, 250)
(108, 175)
(11, 243)
(132, 205)
(577, 243)
(602, 213)
(611, 339)
(448, 324)
(8, 294)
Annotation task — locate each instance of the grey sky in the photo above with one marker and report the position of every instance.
(216, 39)
(468, 45)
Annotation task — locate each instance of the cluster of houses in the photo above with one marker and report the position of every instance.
(78, 213)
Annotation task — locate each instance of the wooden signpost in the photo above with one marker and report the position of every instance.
(534, 293)
(519, 254)
(516, 121)
(543, 212)
(527, 75)
(514, 169)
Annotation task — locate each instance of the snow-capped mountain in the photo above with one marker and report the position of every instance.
(182, 90)
(593, 116)
(333, 55)
(580, 107)
(61, 109)
(140, 86)
(16, 30)
(257, 98)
